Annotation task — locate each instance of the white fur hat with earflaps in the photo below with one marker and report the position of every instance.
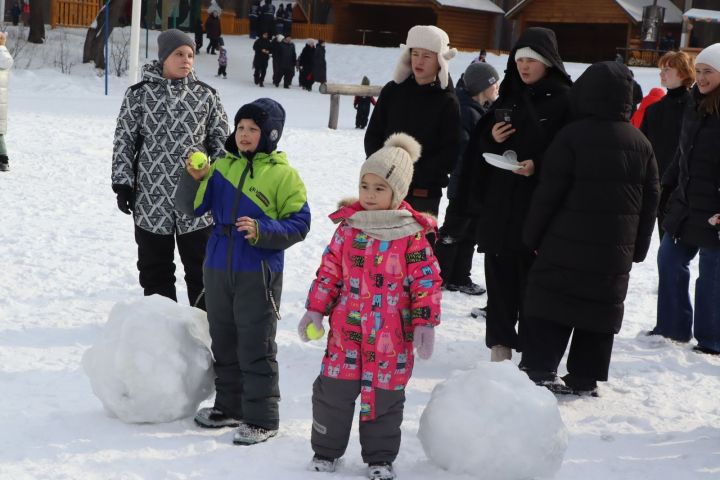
(430, 38)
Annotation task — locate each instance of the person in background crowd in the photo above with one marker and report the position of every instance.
(663, 120)
(305, 64)
(222, 63)
(286, 61)
(420, 101)
(279, 16)
(693, 176)
(288, 20)
(213, 32)
(319, 72)
(362, 105)
(267, 18)
(6, 63)
(262, 48)
(591, 216)
(253, 16)
(477, 90)
(149, 152)
(198, 31)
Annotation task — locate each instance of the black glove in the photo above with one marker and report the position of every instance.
(125, 198)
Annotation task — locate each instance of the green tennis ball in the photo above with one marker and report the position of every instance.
(198, 160)
(314, 333)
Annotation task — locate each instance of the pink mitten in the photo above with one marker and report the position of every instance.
(424, 340)
(307, 319)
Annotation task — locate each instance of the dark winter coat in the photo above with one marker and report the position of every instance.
(470, 113)
(695, 174)
(262, 48)
(286, 56)
(593, 211)
(212, 27)
(661, 125)
(306, 59)
(319, 64)
(267, 18)
(500, 199)
(429, 114)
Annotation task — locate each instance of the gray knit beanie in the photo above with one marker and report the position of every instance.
(170, 40)
(478, 77)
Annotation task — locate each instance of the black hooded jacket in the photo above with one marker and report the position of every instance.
(428, 113)
(593, 211)
(695, 177)
(499, 199)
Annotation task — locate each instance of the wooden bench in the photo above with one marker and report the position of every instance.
(337, 89)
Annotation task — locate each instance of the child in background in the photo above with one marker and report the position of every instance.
(6, 62)
(259, 206)
(380, 284)
(362, 105)
(222, 63)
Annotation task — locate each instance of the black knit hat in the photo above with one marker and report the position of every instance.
(269, 115)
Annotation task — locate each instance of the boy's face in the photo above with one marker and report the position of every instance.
(247, 135)
(530, 70)
(375, 193)
(179, 63)
(425, 65)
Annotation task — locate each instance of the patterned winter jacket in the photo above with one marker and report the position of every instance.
(160, 122)
(267, 189)
(376, 293)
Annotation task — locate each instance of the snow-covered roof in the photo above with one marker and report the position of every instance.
(633, 8)
(478, 5)
(703, 15)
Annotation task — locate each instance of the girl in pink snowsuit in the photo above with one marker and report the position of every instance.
(379, 282)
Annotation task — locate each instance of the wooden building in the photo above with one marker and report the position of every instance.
(591, 30)
(470, 24)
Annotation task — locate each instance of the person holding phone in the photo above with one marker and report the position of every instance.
(531, 108)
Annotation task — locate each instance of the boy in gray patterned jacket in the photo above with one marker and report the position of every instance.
(162, 118)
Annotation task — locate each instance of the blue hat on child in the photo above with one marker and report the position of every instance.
(269, 116)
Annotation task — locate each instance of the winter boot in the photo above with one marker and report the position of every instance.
(247, 434)
(4, 163)
(479, 312)
(381, 471)
(323, 464)
(214, 418)
(498, 353)
(468, 289)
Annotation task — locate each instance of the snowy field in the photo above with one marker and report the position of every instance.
(68, 256)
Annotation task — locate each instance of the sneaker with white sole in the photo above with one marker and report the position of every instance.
(214, 418)
(381, 471)
(247, 434)
(479, 312)
(468, 289)
(320, 463)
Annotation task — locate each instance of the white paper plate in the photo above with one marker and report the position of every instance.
(500, 161)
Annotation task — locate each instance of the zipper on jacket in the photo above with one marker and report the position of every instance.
(236, 203)
(267, 282)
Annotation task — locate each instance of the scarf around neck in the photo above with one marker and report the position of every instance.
(385, 225)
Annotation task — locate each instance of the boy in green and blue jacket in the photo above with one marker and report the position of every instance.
(259, 206)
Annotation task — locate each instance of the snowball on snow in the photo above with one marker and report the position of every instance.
(495, 421)
(153, 361)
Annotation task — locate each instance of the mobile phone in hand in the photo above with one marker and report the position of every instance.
(503, 115)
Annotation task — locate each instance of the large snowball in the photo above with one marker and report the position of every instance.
(152, 362)
(493, 420)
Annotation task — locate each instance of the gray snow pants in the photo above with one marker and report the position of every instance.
(333, 403)
(243, 324)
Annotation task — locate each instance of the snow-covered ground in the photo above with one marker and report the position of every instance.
(67, 256)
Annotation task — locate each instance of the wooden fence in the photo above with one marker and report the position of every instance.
(73, 13)
(231, 25)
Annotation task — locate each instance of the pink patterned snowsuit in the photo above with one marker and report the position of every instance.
(376, 292)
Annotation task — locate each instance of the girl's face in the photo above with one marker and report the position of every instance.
(375, 193)
(247, 135)
(179, 63)
(424, 65)
(670, 78)
(707, 78)
(530, 70)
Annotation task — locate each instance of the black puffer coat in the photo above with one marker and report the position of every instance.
(696, 175)
(429, 114)
(593, 211)
(661, 125)
(499, 199)
(319, 64)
